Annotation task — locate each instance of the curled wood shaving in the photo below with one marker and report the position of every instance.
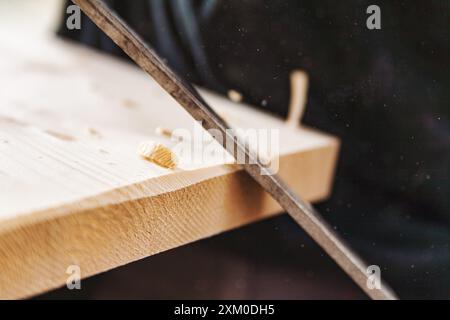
(158, 154)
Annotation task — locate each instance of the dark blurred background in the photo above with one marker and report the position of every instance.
(385, 93)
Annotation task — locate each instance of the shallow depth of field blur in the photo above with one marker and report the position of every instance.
(384, 93)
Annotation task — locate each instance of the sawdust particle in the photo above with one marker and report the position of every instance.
(168, 133)
(60, 135)
(163, 132)
(128, 103)
(94, 132)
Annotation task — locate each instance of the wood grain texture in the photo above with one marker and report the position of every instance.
(187, 97)
(73, 189)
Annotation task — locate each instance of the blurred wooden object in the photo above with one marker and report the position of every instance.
(299, 93)
(74, 191)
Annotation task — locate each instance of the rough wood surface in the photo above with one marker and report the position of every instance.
(73, 189)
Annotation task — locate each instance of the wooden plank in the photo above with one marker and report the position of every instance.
(73, 190)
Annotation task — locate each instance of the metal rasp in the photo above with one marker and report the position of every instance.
(186, 95)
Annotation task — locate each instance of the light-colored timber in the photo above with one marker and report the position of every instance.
(71, 197)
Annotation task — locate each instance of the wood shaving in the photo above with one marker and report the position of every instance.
(158, 154)
(234, 96)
